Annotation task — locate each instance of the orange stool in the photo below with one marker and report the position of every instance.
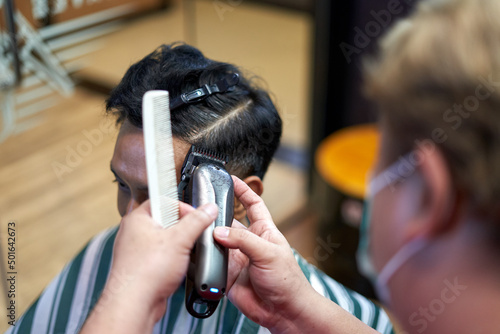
(344, 158)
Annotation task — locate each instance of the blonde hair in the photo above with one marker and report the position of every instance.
(437, 77)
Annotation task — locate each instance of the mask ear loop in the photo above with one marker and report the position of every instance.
(401, 257)
(384, 179)
(363, 254)
(389, 176)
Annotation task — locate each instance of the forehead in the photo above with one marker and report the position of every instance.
(129, 158)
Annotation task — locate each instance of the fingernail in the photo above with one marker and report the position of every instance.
(211, 210)
(221, 232)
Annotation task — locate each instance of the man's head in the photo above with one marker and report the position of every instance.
(241, 123)
(437, 85)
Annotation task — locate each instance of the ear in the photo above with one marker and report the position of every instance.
(437, 202)
(255, 183)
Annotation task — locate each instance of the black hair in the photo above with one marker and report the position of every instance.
(242, 123)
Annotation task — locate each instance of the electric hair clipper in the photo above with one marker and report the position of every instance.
(204, 179)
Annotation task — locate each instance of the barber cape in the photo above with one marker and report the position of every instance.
(65, 304)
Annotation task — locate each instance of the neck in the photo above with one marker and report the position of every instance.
(460, 306)
(452, 286)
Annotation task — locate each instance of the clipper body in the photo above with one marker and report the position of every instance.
(205, 180)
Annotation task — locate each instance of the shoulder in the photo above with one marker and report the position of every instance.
(65, 303)
(361, 307)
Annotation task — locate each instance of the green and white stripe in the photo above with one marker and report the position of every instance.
(65, 304)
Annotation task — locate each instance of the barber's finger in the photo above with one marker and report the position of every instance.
(193, 223)
(237, 224)
(256, 248)
(237, 262)
(145, 207)
(257, 211)
(139, 215)
(184, 209)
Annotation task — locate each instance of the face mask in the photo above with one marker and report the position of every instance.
(364, 259)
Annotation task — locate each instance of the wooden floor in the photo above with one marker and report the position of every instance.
(55, 179)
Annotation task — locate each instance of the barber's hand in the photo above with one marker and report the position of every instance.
(265, 282)
(149, 263)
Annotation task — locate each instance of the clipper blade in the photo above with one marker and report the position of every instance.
(203, 153)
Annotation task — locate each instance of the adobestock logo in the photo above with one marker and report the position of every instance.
(223, 6)
(116, 285)
(449, 294)
(74, 155)
(325, 247)
(374, 28)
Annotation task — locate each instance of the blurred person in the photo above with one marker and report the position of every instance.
(149, 265)
(431, 228)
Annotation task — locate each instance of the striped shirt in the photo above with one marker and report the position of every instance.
(65, 304)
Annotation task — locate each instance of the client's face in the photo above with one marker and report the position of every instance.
(129, 166)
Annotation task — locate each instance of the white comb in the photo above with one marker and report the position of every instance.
(160, 164)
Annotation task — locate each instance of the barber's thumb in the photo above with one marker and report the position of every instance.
(210, 209)
(197, 220)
